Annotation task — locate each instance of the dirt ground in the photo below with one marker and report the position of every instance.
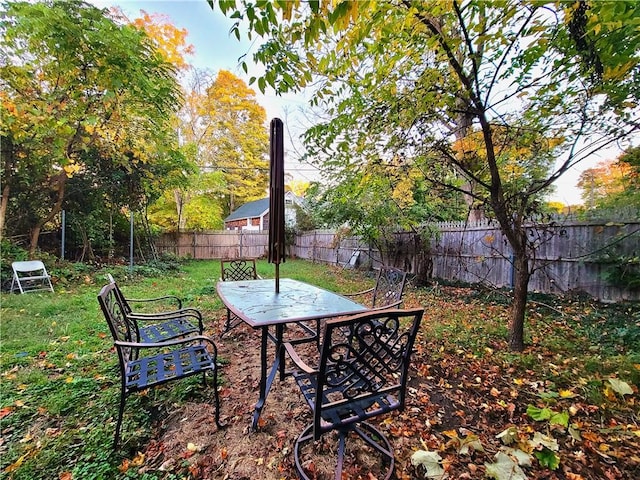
(189, 441)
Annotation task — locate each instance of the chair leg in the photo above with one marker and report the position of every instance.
(216, 397)
(116, 438)
(305, 436)
(368, 433)
(228, 325)
(342, 440)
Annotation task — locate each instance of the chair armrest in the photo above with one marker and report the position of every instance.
(297, 360)
(387, 307)
(173, 298)
(160, 316)
(184, 312)
(168, 343)
(358, 293)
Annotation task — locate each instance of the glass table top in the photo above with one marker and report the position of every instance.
(257, 303)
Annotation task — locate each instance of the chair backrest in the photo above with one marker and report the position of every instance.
(238, 269)
(122, 327)
(389, 287)
(363, 367)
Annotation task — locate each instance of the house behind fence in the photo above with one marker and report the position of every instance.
(569, 258)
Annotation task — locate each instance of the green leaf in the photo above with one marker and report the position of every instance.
(560, 419)
(548, 458)
(539, 414)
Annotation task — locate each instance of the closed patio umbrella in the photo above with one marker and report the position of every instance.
(276, 198)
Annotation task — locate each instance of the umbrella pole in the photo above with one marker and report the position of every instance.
(277, 278)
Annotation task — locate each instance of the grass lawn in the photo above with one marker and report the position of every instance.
(571, 399)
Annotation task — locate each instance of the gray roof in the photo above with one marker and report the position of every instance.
(250, 210)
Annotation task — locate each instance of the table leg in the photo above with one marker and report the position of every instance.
(266, 381)
(279, 350)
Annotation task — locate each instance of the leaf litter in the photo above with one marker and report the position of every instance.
(468, 415)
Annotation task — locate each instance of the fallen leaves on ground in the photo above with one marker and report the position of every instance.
(469, 414)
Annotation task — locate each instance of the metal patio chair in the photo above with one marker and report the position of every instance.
(388, 290)
(30, 276)
(144, 365)
(234, 270)
(362, 374)
(160, 325)
(386, 293)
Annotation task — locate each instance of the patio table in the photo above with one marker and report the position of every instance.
(260, 307)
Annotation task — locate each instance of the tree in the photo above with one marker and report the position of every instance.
(508, 95)
(613, 184)
(376, 201)
(76, 88)
(170, 41)
(238, 141)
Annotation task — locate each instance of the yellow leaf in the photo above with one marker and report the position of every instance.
(138, 460)
(19, 403)
(16, 465)
(68, 380)
(566, 394)
(518, 381)
(192, 447)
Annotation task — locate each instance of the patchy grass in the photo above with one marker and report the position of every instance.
(59, 390)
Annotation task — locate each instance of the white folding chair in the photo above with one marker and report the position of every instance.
(30, 276)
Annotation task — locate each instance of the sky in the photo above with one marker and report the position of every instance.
(215, 49)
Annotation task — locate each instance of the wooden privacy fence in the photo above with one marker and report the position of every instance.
(215, 244)
(570, 257)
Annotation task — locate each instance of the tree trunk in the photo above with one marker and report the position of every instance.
(180, 201)
(3, 207)
(6, 149)
(61, 180)
(86, 246)
(519, 305)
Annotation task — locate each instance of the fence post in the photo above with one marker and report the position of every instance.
(131, 243)
(64, 226)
